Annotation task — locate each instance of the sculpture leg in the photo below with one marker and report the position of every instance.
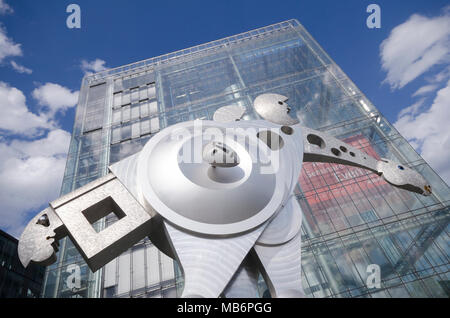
(209, 263)
(278, 251)
(244, 283)
(281, 268)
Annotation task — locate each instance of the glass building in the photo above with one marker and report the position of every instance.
(15, 280)
(352, 218)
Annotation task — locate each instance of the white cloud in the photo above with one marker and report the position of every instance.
(20, 68)
(15, 117)
(428, 131)
(30, 176)
(31, 171)
(91, 67)
(413, 109)
(5, 8)
(425, 89)
(414, 46)
(7, 46)
(55, 97)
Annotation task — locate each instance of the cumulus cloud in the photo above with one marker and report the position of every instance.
(15, 117)
(30, 176)
(91, 67)
(31, 170)
(20, 68)
(55, 97)
(428, 131)
(415, 46)
(5, 8)
(7, 46)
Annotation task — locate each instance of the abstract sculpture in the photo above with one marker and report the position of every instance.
(217, 196)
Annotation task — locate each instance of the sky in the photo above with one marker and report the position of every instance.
(403, 67)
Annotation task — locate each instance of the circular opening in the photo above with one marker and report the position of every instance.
(316, 140)
(280, 103)
(343, 149)
(401, 167)
(287, 130)
(336, 152)
(271, 139)
(352, 153)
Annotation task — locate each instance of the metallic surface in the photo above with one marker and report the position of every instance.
(230, 113)
(100, 248)
(218, 154)
(209, 203)
(273, 107)
(209, 263)
(284, 226)
(320, 147)
(37, 242)
(244, 283)
(403, 177)
(281, 268)
(228, 218)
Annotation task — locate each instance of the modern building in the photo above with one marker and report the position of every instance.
(352, 218)
(15, 280)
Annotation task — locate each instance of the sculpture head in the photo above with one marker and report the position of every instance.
(274, 108)
(38, 241)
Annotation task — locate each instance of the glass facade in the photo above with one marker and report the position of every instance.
(351, 218)
(15, 280)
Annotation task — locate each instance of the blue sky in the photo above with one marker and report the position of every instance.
(41, 67)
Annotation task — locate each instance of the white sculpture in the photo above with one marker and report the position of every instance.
(215, 195)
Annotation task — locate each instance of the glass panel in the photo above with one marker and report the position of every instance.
(144, 109)
(116, 136)
(153, 108)
(135, 112)
(151, 91)
(134, 95)
(124, 283)
(154, 125)
(135, 130)
(126, 112)
(143, 93)
(116, 116)
(138, 268)
(145, 126)
(126, 132)
(153, 277)
(117, 100)
(110, 274)
(118, 85)
(167, 269)
(126, 97)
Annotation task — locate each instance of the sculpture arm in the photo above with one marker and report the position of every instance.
(74, 213)
(321, 147)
